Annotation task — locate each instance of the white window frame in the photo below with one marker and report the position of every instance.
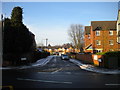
(98, 42)
(97, 33)
(111, 43)
(110, 33)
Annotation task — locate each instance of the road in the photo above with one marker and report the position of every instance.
(58, 74)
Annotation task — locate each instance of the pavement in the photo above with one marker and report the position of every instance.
(40, 62)
(83, 66)
(93, 68)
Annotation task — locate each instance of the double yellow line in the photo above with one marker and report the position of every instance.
(6, 87)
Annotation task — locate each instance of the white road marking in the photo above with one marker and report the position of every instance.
(112, 84)
(43, 72)
(56, 71)
(68, 72)
(44, 81)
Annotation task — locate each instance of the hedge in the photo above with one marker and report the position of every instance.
(111, 53)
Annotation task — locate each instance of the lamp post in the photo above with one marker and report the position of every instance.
(46, 42)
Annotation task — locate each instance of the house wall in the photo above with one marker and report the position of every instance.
(104, 38)
(87, 39)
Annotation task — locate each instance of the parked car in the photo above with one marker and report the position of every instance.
(57, 53)
(64, 57)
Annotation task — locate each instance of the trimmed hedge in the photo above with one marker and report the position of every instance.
(111, 53)
(111, 58)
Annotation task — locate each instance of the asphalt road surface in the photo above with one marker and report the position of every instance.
(58, 74)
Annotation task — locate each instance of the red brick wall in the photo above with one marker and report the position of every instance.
(85, 57)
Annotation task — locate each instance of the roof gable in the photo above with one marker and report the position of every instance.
(103, 25)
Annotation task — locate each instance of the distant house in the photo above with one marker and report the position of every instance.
(101, 37)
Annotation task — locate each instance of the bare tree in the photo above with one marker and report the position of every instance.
(76, 34)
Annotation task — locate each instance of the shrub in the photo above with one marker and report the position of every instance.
(38, 55)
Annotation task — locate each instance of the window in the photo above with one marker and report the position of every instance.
(111, 42)
(98, 42)
(97, 33)
(110, 32)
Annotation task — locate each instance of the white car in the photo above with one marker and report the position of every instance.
(64, 57)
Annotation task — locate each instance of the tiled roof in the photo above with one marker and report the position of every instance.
(103, 25)
(87, 30)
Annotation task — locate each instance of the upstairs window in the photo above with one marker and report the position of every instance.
(110, 33)
(98, 42)
(111, 42)
(97, 33)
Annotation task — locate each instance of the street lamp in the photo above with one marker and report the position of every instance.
(46, 42)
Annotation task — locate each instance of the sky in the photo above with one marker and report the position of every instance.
(52, 20)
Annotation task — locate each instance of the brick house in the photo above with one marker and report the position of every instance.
(101, 36)
(118, 27)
